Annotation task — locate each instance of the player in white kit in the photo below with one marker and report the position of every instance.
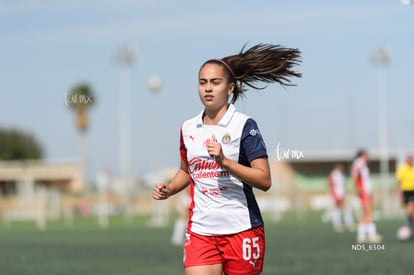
(367, 231)
(341, 209)
(223, 156)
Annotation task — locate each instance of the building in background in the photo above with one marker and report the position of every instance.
(66, 176)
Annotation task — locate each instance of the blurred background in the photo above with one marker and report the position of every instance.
(93, 94)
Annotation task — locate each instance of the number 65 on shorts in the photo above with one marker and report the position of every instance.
(240, 253)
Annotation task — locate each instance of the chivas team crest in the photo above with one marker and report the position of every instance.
(226, 138)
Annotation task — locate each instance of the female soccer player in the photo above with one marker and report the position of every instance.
(366, 231)
(223, 157)
(337, 184)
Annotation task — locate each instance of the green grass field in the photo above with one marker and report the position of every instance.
(307, 246)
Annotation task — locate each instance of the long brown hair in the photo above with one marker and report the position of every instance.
(265, 63)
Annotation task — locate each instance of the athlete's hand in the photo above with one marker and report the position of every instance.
(214, 150)
(161, 191)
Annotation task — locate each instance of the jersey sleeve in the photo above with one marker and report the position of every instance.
(183, 150)
(252, 143)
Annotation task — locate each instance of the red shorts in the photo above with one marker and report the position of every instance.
(240, 253)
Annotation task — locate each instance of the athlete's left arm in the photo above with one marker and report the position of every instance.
(258, 175)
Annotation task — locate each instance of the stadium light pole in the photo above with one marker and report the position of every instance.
(154, 85)
(126, 57)
(381, 58)
(159, 215)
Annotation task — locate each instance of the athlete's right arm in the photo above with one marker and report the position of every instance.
(162, 191)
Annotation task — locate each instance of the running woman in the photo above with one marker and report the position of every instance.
(366, 231)
(223, 157)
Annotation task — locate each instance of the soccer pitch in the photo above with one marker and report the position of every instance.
(294, 246)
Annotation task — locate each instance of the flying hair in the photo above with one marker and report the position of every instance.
(262, 63)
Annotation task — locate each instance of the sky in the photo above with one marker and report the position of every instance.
(47, 47)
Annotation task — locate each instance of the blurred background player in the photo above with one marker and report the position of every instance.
(405, 178)
(183, 207)
(360, 174)
(337, 184)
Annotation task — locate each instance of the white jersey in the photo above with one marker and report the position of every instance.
(360, 170)
(221, 203)
(337, 184)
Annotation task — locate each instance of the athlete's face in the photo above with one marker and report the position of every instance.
(213, 86)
